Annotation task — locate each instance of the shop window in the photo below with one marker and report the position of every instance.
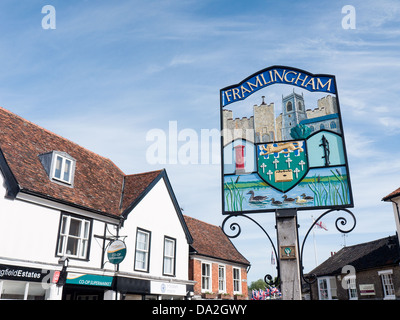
(236, 281)
(387, 284)
(327, 288)
(74, 237)
(142, 252)
(351, 288)
(221, 279)
(169, 256)
(21, 290)
(206, 277)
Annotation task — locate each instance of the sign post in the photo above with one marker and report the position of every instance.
(283, 150)
(286, 230)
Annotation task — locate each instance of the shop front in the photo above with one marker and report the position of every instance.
(79, 286)
(169, 290)
(27, 283)
(143, 289)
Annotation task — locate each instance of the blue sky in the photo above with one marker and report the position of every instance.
(112, 71)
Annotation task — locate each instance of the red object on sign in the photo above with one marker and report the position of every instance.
(56, 276)
(239, 150)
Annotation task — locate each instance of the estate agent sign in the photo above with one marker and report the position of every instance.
(282, 143)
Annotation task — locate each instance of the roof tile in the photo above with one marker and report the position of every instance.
(362, 256)
(210, 240)
(98, 182)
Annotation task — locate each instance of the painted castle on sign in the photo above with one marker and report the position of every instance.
(264, 126)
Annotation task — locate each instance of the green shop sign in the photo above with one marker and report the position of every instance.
(89, 279)
(116, 252)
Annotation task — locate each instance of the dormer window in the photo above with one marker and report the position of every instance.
(59, 166)
(62, 169)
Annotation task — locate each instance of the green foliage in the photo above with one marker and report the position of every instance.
(258, 284)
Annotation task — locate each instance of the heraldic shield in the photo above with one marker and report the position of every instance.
(282, 165)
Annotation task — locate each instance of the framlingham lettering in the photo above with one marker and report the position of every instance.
(277, 75)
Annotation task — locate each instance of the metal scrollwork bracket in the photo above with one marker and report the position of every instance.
(311, 278)
(235, 227)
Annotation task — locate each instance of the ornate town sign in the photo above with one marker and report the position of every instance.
(282, 143)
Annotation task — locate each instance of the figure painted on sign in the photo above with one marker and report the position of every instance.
(276, 202)
(325, 145)
(256, 199)
(305, 197)
(286, 199)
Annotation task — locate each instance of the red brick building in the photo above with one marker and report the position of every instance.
(219, 269)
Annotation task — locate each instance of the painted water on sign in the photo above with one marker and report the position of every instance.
(321, 187)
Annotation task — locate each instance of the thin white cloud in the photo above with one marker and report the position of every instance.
(391, 125)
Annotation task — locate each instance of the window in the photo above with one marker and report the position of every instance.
(221, 279)
(59, 166)
(387, 284)
(236, 281)
(323, 290)
(333, 125)
(21, 290)
(62, 168)
(300, 107)
(351, 288)
(289, 106)
(74, 235)
(327, 288)
(142, 252)
(206, 277)
(169, 256)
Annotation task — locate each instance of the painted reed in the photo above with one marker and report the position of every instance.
(233, 196)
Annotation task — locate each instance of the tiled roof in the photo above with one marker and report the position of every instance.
(377, 253)
(135, 186)
(98, 182)
(209, 240)
(391, 195)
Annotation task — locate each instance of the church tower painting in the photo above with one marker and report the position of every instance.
(293, 112)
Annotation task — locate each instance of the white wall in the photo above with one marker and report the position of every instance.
(156, 213)
(396, 213)
(29, 231)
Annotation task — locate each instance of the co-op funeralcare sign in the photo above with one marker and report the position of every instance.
(275, 75)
